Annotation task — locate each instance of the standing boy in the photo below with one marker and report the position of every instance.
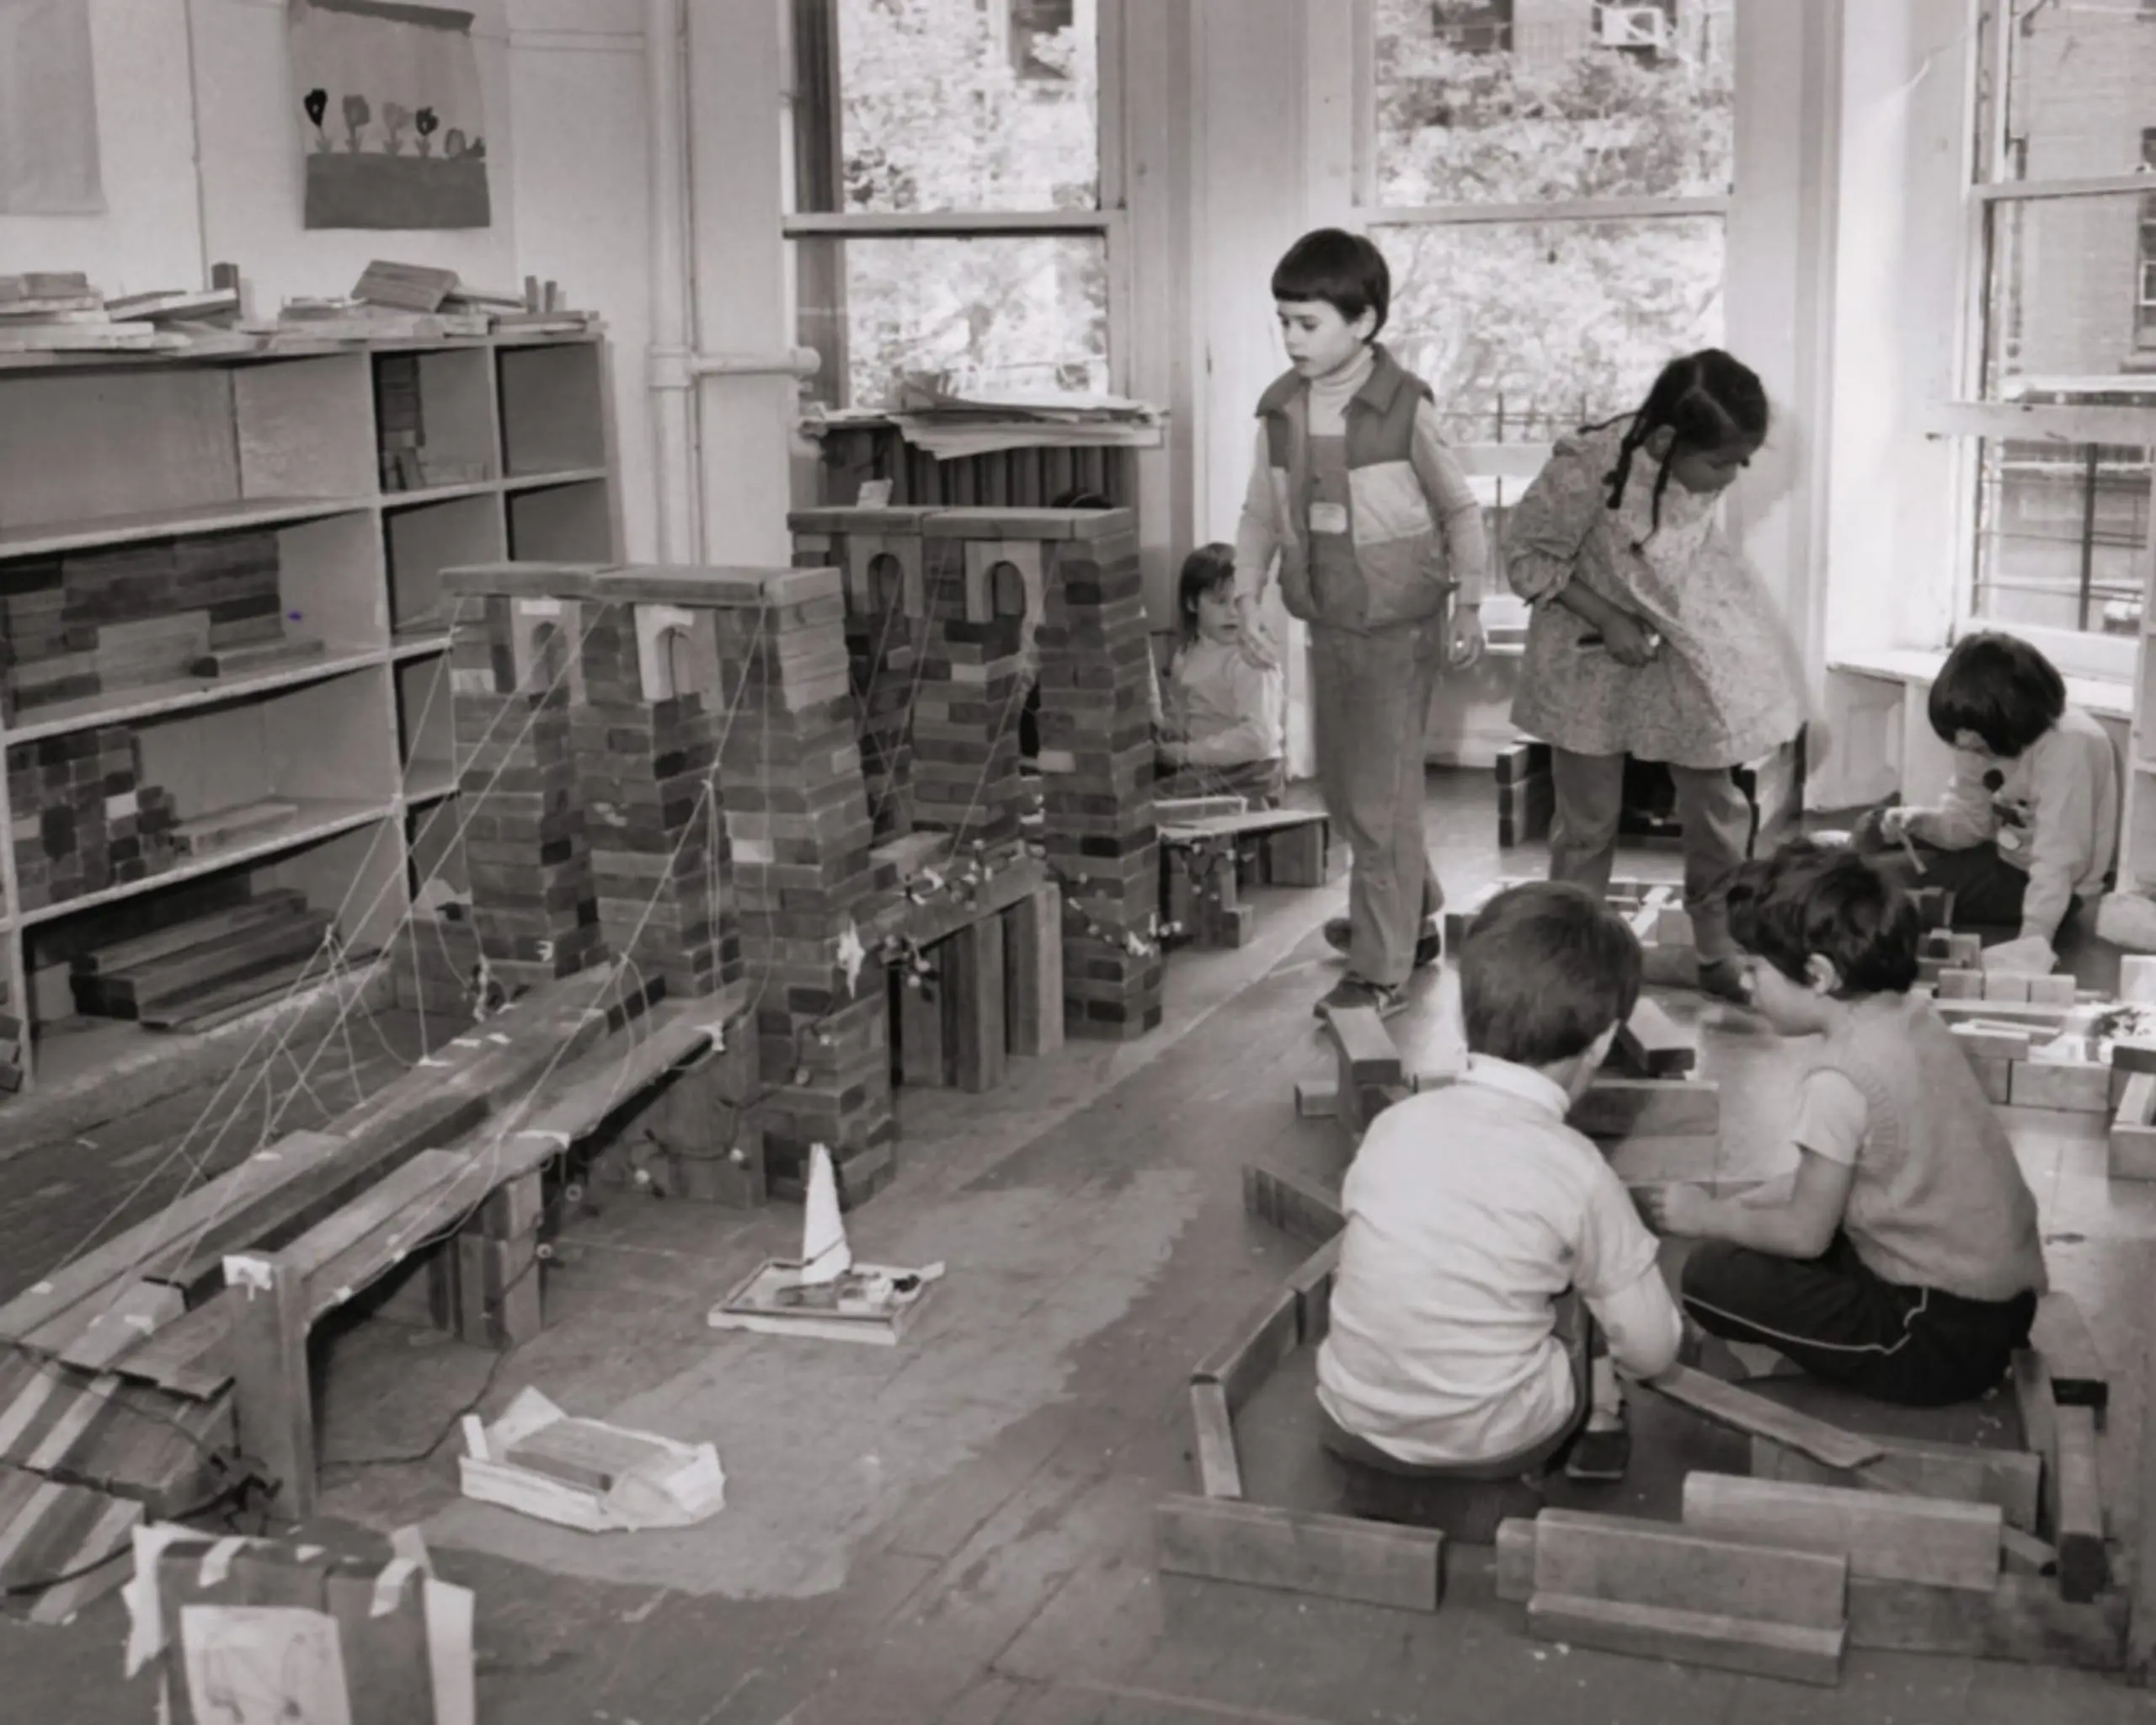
(1381, 551)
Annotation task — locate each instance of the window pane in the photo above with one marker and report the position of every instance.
(2067, 313)
(1526, 330)
(2063, 532)
(1019, 313)
(1529, 101)
(946, 105)
(2081, 87)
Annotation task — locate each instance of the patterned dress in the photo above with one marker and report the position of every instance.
(1726, 687)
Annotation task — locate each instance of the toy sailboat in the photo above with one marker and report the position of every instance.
(825, 1293)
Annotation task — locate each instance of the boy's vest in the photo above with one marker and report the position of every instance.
(1373, 558)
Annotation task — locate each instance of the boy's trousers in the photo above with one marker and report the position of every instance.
(1715, 814)
(1371, 700)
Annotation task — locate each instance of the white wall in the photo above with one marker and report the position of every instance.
(198, 134)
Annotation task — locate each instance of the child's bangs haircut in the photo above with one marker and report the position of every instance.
(1809, 898)
(2001, 688)
(1545, 969)
(1206, 570)
(1708, 400)
(1344, 270)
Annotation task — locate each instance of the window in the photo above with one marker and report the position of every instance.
(949, 222)
(1548, 182)
(2066, 323)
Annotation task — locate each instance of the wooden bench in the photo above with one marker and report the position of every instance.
(1208, 855)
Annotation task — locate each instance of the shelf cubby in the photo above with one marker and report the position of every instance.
(437, 405)
(424, 728)
(561, 523)
(552, 407)
(425, 538)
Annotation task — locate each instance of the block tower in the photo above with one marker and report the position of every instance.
(878, 552)
(516, 669)
(983, 584)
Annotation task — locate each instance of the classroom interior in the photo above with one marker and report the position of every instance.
(692, 429)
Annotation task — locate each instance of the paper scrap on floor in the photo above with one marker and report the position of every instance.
(586, 1474)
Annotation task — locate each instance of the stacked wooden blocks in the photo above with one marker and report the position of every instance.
(798, 824)
(647, 757)
(1097, 767)
(2133, 1062)
(83, 820)
(174, 976)
(1527, 799)
(1208, 854)
(881, 552)
(513, 658)
(970, 687)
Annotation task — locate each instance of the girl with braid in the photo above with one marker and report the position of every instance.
(1651, 635)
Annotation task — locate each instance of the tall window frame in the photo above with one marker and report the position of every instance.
(812, 101)
(2075, 433)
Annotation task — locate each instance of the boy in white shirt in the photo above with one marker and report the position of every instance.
(1473, 1211)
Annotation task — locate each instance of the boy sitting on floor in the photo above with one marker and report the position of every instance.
(1474, 1210)
(1901, 1258)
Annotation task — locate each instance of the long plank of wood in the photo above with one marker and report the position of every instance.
(110, 1327)
(2011, 1479)
(1799, 1653)
(1297, 1206)
(355, 1221)
(165, 982)
(2079, 1378)
(1335, 1556)
(2085, 1567)
(1312, 1287)
(973, 973)
(1032, 958)
(1241, 1364)
(1235, 825)
(187, 1357)
(1651, 1045)
(1649, 1108)
(1741, 1410)
(137, 1250)
(200, 930)
(1582, 1554)
(1219, 1469)
(2023, 1619)
(275, 1403)
(582, 1095)
(1929, 1540)
(206, 1008)
(96, 1564)
(1367, 1054)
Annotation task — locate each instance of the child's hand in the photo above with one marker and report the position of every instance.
(1628, 641)
(1464, 641)
(1673, 1210)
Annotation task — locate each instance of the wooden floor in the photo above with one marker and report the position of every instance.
(956, 1532)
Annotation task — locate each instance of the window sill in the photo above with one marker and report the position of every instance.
(2100, 697)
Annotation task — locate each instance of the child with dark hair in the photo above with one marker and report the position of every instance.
(1651, 635)
(2027, 831)
(1379, 539)
(1901, 1259)
(1221, 732)
(1474, 1210)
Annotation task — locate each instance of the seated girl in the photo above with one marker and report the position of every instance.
(1222, 714)
(1901, 1258)
(2025, 836)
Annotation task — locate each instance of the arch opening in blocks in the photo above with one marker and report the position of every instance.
(887, 582)
(542, 647)
(1007, 586)
(677, 652)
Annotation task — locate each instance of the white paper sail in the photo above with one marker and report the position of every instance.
(824, 1255)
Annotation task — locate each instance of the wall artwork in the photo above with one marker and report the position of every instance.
(389, 106)
(48, 110)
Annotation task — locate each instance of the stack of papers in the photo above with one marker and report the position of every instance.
(980, 422)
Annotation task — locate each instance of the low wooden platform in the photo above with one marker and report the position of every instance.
(1209, 859)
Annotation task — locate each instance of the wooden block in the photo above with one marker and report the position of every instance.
(1741, 1410)
(2132, 1153)
(2068, 1086)
(2079, 1376)
(2137, 980)
(1032, 957)
(1220, 1472)
(1241, 1364)
(1929, 1540)
(2006, 985)
(112, 1327)
(973, 973)
(1580, 1554)
(2133, 1053)
(1513, 1575)
(1992, 1042)
(1335, 1556)
(2010, 1479)
(1758, 1647)
(2022, 1619)
(1965, 949)
(1299, 855)
(1312, 1287)
(2085, 1567)
(1995, 1078)
(1299, 1207)
(411, 287)
(197, 930)
(2056, 990)
(1368, 1054)
(499, 1291)
(1963, 985)
(1317, 1098)
(1650, 1044)
(1649, 1108)
(924, 1052)
(269, 1372)
(2024, 1554)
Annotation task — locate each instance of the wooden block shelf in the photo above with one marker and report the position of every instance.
(284, 520)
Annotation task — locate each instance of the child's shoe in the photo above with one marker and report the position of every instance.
(1429, 946)
(1600, 1456)
(1352, 991)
